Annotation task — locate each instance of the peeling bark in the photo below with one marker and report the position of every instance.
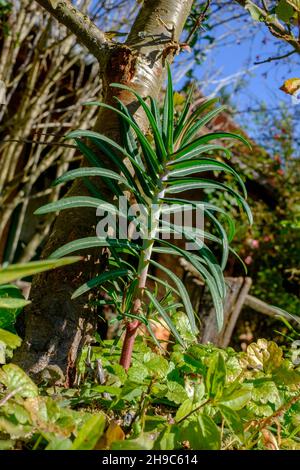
(56, 327)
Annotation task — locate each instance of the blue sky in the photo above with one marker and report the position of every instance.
(232, 61)
(238, 44)
(263, 80)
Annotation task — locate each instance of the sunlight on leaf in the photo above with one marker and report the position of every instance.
(291, 86)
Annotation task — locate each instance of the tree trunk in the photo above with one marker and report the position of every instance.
(56, 327)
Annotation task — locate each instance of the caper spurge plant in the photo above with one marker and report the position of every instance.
(171, 161)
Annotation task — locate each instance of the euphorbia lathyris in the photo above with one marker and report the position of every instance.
(169, 164)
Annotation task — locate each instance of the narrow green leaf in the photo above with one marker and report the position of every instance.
(205, 256)
(131, 144)
(17, 271)
(90, 171)
(91, 157)
(148, 151)
(156, 113)
(198, 236)
(184, 114)
(183, 294)
(208, 278)
(97, 281)
(202, 149)
(168, 116)
(208, 208)
(203, 165)
(201, 123)
(166, 317)
(95, 160)
(94, 242)
(194, 147)
(163, 283)
(200, 183)
(76, 201)
(150, 156)
(161, 150)
(192, 118)
(104, 143)
(223, 238)
(94, 191)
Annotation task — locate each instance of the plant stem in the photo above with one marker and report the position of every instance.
(131, 331)
(142, 272)
(132, 326)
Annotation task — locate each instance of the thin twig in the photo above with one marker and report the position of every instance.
(265, 422)
(29, 141)
(198, 21)
(265, 6)
(271, 59)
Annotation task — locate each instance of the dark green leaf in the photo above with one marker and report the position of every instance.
(93, 242)
(199, 166)
(165, 316)
(216, 376)
(233, 421)
(97, 281)
(211, 283)
(90, 171)
(201, 123)
(17, 271)
(184, 114)
(76, 201)
(202, 149)
(151, 118)
(183, 294)
(193, 149)
(168, 114)
(202, 433)
(188, 184)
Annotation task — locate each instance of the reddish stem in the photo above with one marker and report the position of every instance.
(132, 327)
(126, 355)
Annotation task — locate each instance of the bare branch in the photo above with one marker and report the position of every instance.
(271, 59)
(198, 21)
(38, 142)
(87, 33)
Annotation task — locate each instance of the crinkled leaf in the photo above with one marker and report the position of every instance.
(176, 392)
(16, 381)
(264, 355)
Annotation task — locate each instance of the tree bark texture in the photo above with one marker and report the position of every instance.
(56, 327)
